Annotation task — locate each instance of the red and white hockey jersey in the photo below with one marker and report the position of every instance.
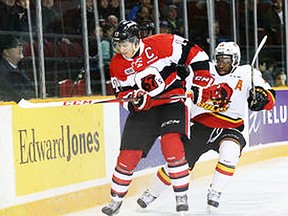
(154, 69)
(240, 81)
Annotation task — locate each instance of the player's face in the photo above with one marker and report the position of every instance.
(223, 64)
(125, 48)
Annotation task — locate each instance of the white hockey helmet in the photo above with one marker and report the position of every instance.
(229, 49)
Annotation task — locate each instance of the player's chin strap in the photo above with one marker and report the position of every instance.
(28, 104)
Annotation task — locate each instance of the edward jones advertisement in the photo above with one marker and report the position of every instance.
(60, 146)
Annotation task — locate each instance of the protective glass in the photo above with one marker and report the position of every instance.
(17, 45)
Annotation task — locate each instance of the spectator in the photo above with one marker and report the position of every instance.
(103, 9)
(107, 53)
(219, 37)
(107, 35)
(51, 18)
(11, 53)
(8, 19)
(175, 24)
(146, 28)
(218, 33)
(136, 9)
(280, 78)
(267, 66)
(108, 31)
(144, 14)
(164, 28)
(165, 4)
(21, 10)
(102, 22)
(112, 20)
(105, 44)
(273, 22)
(114, 8)
(73, 19)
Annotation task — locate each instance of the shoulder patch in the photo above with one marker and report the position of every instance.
(129, 71)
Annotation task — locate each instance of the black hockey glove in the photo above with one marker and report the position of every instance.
(260, 99)
(182, 71)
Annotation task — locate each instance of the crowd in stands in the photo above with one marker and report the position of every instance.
(62, 30)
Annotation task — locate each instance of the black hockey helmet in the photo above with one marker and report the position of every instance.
(126, 29)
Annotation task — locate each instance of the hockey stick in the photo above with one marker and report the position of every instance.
(79, 77)
(97, 101)
(253, 63)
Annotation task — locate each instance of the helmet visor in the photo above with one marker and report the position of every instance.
(224, 59)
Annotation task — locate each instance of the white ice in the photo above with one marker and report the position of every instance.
(260, 189)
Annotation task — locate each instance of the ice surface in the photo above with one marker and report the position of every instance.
(260, 189)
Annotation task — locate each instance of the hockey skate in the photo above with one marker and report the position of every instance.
(145, 199)
(112, 208)
(182, 204)
(213, 198)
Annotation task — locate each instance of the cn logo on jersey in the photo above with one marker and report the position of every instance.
(148, 83)
(202, 79)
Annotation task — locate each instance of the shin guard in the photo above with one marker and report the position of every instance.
(122, 176)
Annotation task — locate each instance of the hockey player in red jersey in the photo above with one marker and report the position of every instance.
(217, 123)
(144, 70)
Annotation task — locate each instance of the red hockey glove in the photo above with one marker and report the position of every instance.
(141, 100)
(203, 79)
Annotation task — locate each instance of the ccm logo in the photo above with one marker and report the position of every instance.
(79, 102)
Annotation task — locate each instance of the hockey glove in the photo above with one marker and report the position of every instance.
(203, 79)
(259, 100)
(201, 74)
(141, 100)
